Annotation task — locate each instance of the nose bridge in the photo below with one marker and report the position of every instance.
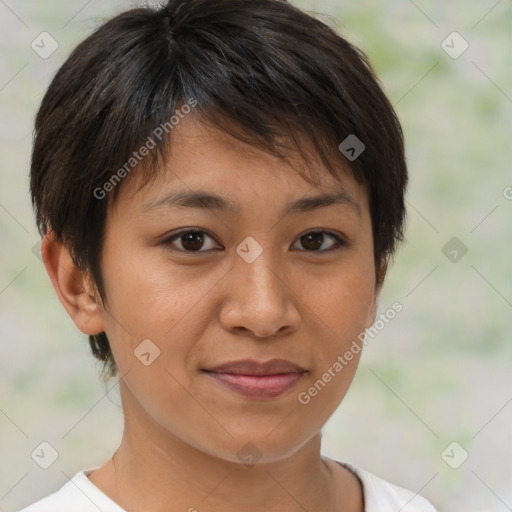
(260, 301)
(256, 265)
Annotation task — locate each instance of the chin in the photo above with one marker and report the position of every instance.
(254, 446)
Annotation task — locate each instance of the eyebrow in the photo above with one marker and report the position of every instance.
(210, 201)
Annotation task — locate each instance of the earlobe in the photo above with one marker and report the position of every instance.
(380, 274)
(373, 311)
(72, 286)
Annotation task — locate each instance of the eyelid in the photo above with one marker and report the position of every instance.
(341, 240)
(167, 241)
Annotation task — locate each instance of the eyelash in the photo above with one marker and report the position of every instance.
(340, 242)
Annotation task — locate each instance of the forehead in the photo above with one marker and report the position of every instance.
(207, 167)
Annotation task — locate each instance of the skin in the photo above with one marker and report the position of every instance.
(182, 429)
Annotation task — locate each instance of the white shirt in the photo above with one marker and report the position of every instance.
(81, 495)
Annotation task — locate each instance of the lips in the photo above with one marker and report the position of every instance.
(257, 380)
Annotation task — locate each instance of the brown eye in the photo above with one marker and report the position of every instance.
(190, 241)
(194, 241)
(314, 240)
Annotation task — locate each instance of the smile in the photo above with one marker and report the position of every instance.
(256, 380)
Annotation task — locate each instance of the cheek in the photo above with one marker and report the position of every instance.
(148, 297)
(342, 304)
(168, 307)
(338, 349)
(340, 308)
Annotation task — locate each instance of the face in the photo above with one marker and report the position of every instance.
(191, 285)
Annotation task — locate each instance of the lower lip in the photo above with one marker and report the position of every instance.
(258, 386)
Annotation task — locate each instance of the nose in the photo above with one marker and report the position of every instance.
(260, 298)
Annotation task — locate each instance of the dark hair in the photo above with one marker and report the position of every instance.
(261, 70)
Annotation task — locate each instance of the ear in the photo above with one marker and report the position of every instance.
(379, 281)
(74, 288)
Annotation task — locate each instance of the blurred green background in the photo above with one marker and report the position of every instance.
(440, 372)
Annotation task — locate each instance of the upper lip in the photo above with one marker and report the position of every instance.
(253, 367)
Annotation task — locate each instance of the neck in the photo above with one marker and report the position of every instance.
(186, 479)
(181, 477)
